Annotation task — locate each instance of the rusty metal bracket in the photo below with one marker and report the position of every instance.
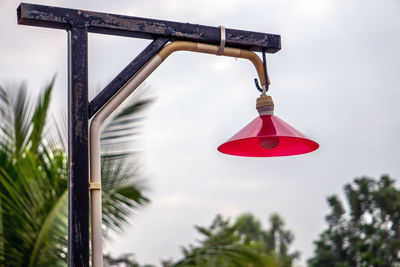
(97, 22)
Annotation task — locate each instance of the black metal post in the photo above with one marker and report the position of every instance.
(78, 154)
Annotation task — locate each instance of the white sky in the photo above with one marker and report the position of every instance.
(336, 79)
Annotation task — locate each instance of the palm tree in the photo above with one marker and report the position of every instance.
(33, 178)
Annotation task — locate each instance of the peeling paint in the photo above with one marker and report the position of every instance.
(54, 17)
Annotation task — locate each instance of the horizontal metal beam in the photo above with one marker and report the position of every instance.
(96, 22)
(125, 75)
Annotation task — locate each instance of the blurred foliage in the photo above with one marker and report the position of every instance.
(33, 178)
(368, 233)
(125, 260)
(241, 243)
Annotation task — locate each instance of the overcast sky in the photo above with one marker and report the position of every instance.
(336, 79)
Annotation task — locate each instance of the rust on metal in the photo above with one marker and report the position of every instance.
(97, 22)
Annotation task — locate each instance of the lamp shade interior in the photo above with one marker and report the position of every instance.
(268, 136)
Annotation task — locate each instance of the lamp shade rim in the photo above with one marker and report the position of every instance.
(268, 136)
(249, 147)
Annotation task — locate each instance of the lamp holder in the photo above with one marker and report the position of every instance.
(265, 105)
(264, 101)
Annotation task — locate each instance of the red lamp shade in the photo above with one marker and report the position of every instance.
(268, 136)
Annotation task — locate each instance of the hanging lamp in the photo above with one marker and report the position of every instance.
(267, 135)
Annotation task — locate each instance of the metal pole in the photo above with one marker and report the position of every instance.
(78, 154)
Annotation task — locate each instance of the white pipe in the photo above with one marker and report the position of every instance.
(95, 160)
(114, 102)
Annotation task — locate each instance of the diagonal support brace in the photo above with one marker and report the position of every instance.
(125, 75)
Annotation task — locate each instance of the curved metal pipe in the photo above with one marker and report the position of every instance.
(214, 49)
(115, 101)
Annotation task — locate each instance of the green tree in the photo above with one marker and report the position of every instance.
(126, 260)
(242, 243)
(368, 233)
(33, 179)
(275, 240)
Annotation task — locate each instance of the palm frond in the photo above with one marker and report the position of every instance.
(121, 193)
(39, 117)
(34, 213)
(122, 190)
(22, 111)
(123, 125)
(33, 185)
(33, 179)
(6, 124)
(59, 131)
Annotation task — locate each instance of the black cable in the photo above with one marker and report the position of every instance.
(265, 71)
(265, 75)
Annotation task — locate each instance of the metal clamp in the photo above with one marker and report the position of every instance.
(223, 41)
(94, 186)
